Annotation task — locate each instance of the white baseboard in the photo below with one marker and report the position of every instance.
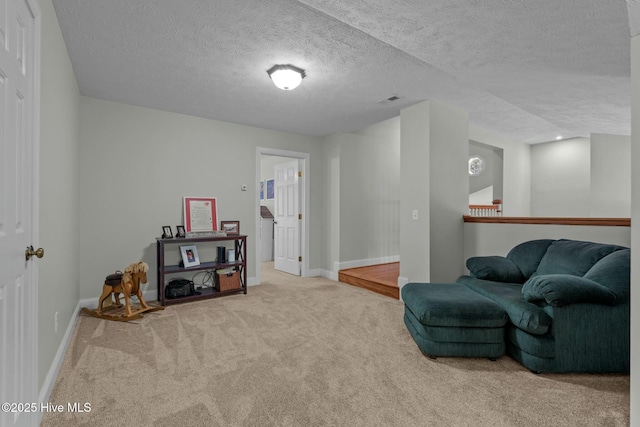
(321, 272)
(54, 369)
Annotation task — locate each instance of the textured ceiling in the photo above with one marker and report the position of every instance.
(531, 70)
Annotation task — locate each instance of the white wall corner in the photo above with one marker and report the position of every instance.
(334, 273)
(321, 272)
(401, 282)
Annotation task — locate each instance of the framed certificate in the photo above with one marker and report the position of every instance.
(200, 214)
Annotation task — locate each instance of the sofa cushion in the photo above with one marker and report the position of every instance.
(451, 305)
(614, 272)
(527, 255)
(573, 257)
(525, 315)
(563, 289)
(496, 268)
(455, 334)
(494, 347)
(536, 345)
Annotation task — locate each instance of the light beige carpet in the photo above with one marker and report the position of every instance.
(306, 352)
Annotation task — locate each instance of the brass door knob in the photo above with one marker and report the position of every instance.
(30, 252)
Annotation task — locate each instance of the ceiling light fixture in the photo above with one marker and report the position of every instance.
(558, 138)
(286, 77)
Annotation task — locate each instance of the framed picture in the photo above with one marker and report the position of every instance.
(189, 255)
(180, 231)
(166, 232)
(200, 214)
(270, 185)
(232, 228)
(261, 190)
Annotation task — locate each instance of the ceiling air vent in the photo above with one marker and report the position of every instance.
(389, 99)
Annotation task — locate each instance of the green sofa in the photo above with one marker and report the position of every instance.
(566, 301)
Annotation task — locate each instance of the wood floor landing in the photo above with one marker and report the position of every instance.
(381, 278)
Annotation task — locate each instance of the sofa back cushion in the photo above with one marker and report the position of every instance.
(496, 268)
(573, 257)
(527, 255)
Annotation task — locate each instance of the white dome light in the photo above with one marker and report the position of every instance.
(286, 77)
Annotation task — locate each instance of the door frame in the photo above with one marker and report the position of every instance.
(304, 205)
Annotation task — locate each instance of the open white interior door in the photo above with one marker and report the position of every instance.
(287, 221)
(18, 287)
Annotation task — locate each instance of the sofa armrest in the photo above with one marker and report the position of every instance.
(495, 268)
(564, 289)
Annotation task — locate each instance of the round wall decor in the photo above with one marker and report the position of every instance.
(476, 165)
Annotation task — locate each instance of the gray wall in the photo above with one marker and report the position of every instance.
(362, 181)
(136, 166)
(434, 183)
(610, 176)
(369, 193)
(582, 177)
(330, 211)
(560, 178)
(415, 179)
(481, 239)
(59, 184)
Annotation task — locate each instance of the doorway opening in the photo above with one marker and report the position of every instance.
(266, 158)
(485, 178)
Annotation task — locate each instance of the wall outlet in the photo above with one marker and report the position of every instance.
(55, 322)
(414, 215)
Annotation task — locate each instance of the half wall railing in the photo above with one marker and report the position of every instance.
(494, 209)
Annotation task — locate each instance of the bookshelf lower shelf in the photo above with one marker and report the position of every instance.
(205, 293)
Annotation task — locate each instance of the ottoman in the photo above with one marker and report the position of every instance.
(448, 319)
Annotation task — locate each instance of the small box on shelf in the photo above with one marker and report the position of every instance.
(227, 279)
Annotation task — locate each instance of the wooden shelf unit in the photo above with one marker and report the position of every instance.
(240, 264)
